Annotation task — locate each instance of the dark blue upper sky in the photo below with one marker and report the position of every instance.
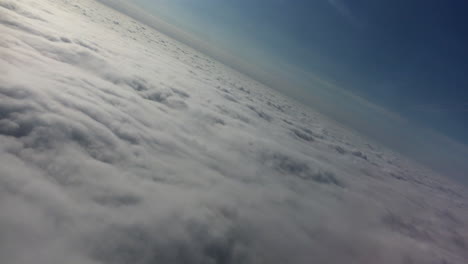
(409, 56)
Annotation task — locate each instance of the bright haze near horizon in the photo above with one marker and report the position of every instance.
(229, 132)
(393, 70)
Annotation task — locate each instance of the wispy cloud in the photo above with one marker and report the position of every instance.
(442, 108)
(346, 12)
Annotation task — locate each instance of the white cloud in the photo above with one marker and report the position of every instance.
(121, 145)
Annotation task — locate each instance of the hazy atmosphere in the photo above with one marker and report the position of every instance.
(410, 57)
(407, 57)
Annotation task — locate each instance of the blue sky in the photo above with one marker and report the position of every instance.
(408, 57)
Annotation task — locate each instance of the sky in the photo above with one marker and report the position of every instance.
(393, 71)
(407, 56)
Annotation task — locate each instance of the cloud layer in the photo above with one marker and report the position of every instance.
(121, 145)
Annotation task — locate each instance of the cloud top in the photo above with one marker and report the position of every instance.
(120, 145)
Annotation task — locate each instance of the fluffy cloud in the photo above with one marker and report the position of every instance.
(121, 145)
